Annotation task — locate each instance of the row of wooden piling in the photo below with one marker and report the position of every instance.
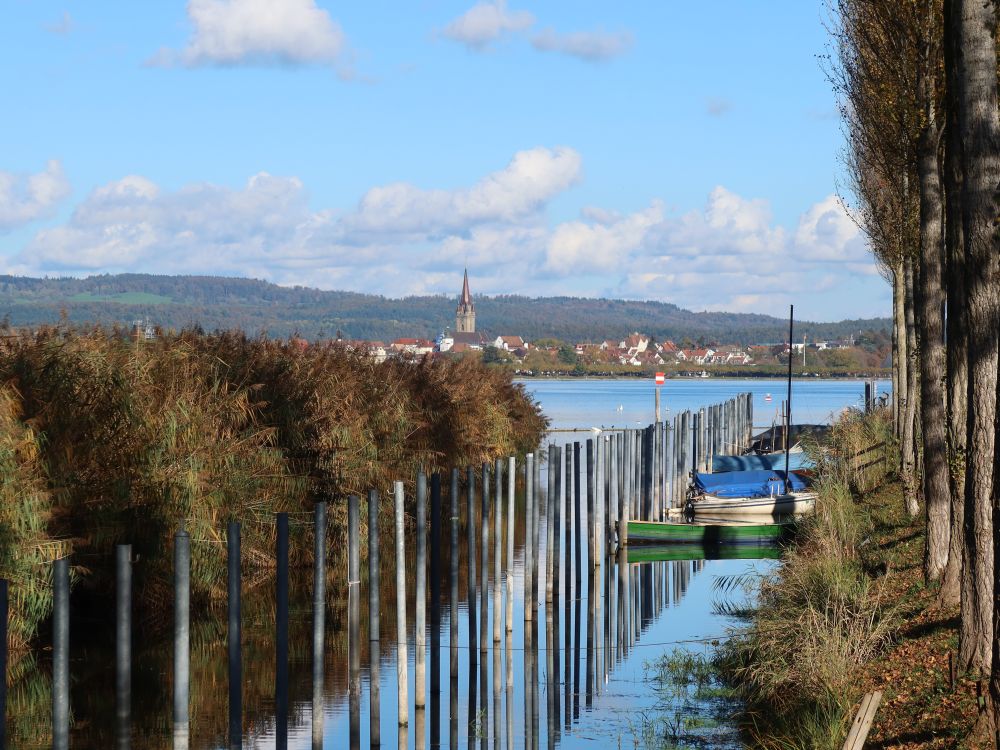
(620, 475)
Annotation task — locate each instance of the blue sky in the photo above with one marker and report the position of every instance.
(686, 152)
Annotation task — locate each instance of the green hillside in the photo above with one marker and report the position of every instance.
(214, 302)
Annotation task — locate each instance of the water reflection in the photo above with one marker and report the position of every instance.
(561, 679)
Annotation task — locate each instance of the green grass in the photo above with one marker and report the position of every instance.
(125, 298)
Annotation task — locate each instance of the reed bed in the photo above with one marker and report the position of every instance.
(819, 614)
(104, 440)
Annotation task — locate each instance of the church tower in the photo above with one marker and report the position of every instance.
(465, 315)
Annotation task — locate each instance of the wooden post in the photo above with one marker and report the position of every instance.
(577, 519)
(402, 702)
(470, 578)
(281, 633)
(453, 576)
(234, 637)
(420, 597)
(498, 611)
(484, 561)
(591, 504)
(509, 561)
(60, 654)
(550, 519)
(182, 639)
(123, 644)
(353, 617)
(529, 546)
(374, 616)
(862, 723)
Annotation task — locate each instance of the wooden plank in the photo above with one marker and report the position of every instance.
(862, 723)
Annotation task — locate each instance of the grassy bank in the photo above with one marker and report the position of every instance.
(104, 440)
(826, 612)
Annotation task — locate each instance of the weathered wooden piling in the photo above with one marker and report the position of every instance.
(4, 620)
(498, 611)
(453, 576)
(509, 559)
(550, 519)
(536, 530)
(420, 596)
(402, 703)
(484, 563)
(577, 519)
(591, 503)
(60, 654)
(470, 578)
(353, 619)
(182, 639)
(281, 634)
(529, 534)
(569, 522)
(374, 620)
(234, 636)
(319, 608)
(557, 507)
(123, 645)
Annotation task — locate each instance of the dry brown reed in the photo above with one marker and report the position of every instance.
(104, 440)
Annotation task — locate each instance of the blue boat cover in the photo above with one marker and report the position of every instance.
(766, 461)
(755, 483)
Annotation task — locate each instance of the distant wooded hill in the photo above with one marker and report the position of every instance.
(214, 302)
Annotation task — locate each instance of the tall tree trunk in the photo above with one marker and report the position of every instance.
(975, 22)
(910, 413)
(931, 296)
(902, 357)
(956, 350)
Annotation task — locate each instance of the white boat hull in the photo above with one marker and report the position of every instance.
(795, 503)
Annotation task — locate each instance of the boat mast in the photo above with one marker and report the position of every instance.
(788, 402)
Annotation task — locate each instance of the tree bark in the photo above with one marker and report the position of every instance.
(956, 350)
(931, 297)
(901, 355)
(975, 22)
(910, 414)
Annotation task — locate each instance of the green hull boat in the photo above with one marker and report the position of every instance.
(707, 534)
(661, 552)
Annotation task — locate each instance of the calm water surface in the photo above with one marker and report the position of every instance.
(577, 679)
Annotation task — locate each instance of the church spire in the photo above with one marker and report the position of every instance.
(466, 295)
(465, 315)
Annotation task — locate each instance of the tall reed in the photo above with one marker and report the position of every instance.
(819, 616)
(105, 440)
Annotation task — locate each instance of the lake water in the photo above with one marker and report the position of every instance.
(576, 677)
(630, 402)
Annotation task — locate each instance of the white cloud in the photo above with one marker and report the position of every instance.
(592, 46)
(599, 246)
(401, 239)
(524, 186)
(258, 32)
(487, 22)
(27, 197)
